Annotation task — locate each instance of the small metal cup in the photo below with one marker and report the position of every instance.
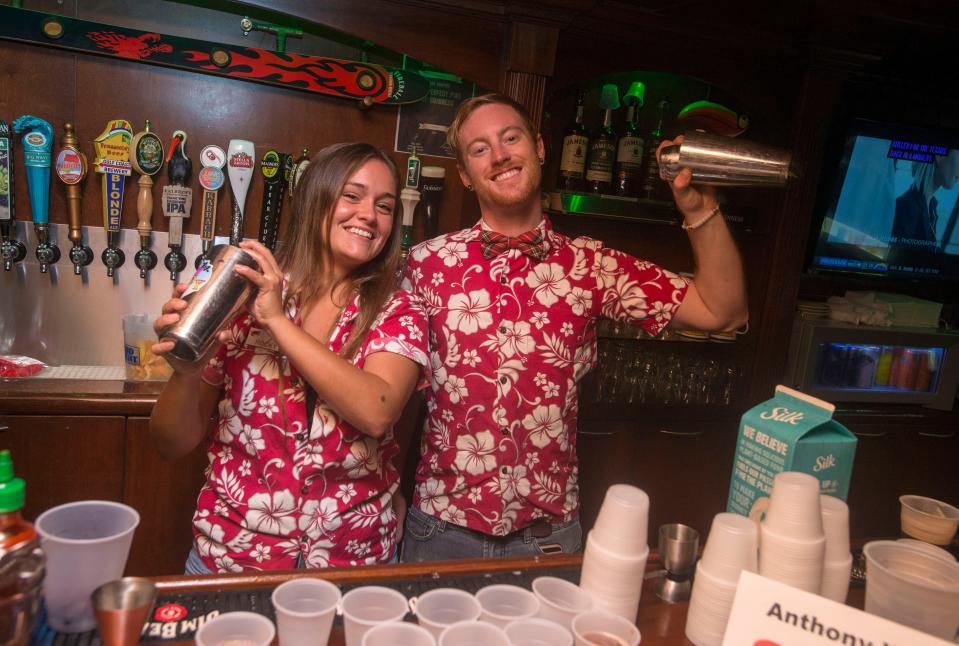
(725, 161)
(678, 547)
(215, 295)
(121, 608)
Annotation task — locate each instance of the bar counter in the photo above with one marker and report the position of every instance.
(661, 624)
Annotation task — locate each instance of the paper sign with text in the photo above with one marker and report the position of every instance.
(769, 613)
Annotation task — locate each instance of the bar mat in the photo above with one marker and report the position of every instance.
(176, 617)
(100, 373)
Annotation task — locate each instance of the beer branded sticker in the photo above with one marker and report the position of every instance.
(202, 274)
(212, 157)
(177, 201)
(270, 164)
(241, 160)
(4, 178)
(69, 166)
(112, 148)
(149, 153)
(212, 178)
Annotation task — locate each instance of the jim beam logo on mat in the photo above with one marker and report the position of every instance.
(170, 622)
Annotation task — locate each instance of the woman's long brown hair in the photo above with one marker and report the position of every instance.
(307, 257)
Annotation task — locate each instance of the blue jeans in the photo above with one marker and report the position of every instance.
(427, 538)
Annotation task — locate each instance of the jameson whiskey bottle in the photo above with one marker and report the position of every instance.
(572, 165)
(653, 186)
(629, 156)
(602, 152)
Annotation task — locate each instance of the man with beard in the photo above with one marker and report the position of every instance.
(512, 306)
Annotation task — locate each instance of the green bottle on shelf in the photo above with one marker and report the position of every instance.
(21, 560)
(602, 146)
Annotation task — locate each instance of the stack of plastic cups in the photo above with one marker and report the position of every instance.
(837, 563)
(731, 548)
(793, 544)
(614, 560)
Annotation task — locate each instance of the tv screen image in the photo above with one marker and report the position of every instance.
(895, 205)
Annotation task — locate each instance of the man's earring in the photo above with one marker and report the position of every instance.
(469, 187)
(542, 161)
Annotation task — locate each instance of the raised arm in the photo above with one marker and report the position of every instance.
(716, 299)
(371, 399)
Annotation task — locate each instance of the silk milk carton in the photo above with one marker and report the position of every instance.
(790, 432)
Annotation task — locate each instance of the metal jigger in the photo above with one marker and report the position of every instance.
(121, 608)
(725, 161)
(678, 546)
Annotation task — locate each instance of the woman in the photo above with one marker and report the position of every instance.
(308, 384)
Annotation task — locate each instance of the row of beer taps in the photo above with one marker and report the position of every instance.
(118, 152)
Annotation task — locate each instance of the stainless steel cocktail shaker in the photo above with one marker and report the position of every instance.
(216, 293)
(725, 161)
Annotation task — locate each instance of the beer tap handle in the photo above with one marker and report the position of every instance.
(211, 177)
(273, 166)
(113, 161)
(409, 197)
(241, 161)
(177, 201)
(72, 168)
(11, 249)
(147, 159)
(37, 146)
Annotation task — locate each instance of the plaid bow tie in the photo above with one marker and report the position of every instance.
(531, 244)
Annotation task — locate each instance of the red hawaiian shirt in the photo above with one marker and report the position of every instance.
(510, 338)
(280, 491)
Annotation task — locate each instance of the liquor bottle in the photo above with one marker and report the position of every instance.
(22, 558)
(629, 156)
(602, 147)
(653, 186)
(572, 165)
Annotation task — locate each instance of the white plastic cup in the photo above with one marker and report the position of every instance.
(305, 609)
(398, 633)
(560, 600)
(710, 605)
(938, 552)
(614, 582)
(794, 507)
(590, 627)
(913, 588)
(505, 603)
(473, 633)
(538, 632)
(835, 579)
(437, 609)
(928, 519)
(835, 525)
(369, 606)
(795, 562)
(86, 544)
(246, 628)
(731, 547)
(623, 521)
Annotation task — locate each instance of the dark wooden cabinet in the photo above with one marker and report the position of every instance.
(684, 467)
(164, 492)
(64, 458)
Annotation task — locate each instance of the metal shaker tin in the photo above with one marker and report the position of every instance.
(725, 161)
(215, 294)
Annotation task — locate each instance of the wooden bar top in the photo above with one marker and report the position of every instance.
(661, 624)
(31, 396)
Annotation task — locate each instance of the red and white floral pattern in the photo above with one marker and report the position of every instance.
(509, 339)
(279, 489)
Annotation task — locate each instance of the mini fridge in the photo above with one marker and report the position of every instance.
(839, 362)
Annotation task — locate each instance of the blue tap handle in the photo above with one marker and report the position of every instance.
(37, 146)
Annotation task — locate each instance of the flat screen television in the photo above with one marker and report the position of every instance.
(893, 208)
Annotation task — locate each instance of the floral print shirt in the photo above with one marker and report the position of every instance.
(280, 491)
(510, 338)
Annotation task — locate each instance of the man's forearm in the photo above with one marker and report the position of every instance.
(719, 273)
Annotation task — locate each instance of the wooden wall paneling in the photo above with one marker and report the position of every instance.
(65, 458)
(40, 82)
(164, 493)
(462, 40)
